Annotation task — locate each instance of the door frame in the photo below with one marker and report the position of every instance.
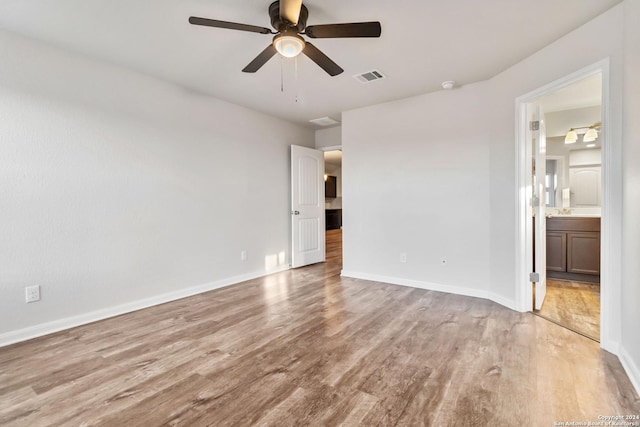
(609, 287)
(538, 153)
(335, 148)
(323, 149)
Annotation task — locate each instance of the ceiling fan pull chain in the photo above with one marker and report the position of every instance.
(281, 75)
(296, 77)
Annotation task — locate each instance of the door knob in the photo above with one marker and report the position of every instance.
(295, 212)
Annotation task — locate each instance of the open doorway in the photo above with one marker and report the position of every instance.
(573, 205)
(571, 199)
(333, 206)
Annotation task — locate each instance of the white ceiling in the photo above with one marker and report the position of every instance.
(333, 157)
(584, 93)
(423, 43)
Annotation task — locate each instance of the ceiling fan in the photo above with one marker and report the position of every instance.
(289, 19)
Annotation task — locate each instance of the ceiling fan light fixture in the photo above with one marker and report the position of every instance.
(288, 45)
(571, 138)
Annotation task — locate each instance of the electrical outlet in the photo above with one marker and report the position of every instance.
(32, 293)
(443, 261)
(403, 257)
(243, 255)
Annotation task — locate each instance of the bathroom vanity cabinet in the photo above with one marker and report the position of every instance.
(573, 248)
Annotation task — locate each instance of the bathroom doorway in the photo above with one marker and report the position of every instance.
(333, 205)
(573, 205)
(573, 198)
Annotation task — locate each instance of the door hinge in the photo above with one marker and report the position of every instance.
(534, 125)
(534, 277)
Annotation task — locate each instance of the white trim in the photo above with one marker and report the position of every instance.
(608, 306)
(612, 347)
(499, 299)
(523, 255)
(633, 371)
(458, 290)
(523, 261)
(93, 316)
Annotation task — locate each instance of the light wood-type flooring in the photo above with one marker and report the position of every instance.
(333, 240)
(574, 305)
(307, 347)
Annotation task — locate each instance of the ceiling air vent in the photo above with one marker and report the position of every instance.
(369, 76)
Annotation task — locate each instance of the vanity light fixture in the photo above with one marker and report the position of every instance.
(571, 137)
(589, 136)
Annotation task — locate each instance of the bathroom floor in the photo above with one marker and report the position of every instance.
(574, 305)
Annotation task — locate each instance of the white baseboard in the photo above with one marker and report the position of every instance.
(416, 284)
(612, 347)
(632, 370)
(509, 303)
(458, 290)
(35, 331)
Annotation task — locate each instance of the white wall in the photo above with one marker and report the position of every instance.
(416, 181)
(631, 183)
(447, 161)
(330, 137)
(559, 122)
(118, 190)
(452, 171)
(599, 39)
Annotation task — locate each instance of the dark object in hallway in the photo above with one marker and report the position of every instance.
(331, 187)
(333, 219)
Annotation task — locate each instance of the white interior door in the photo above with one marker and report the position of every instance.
(307, 206)
(539, 203)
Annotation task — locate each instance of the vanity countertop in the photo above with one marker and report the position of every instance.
(574, 216)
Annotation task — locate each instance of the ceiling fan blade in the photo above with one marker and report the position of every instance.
(355, 29)
(229, 25)
(290, 10)
(322, 60)
(260, 60)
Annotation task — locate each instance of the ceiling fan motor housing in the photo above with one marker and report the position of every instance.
(280, 24)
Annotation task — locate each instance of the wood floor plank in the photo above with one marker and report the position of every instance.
(309, 347)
